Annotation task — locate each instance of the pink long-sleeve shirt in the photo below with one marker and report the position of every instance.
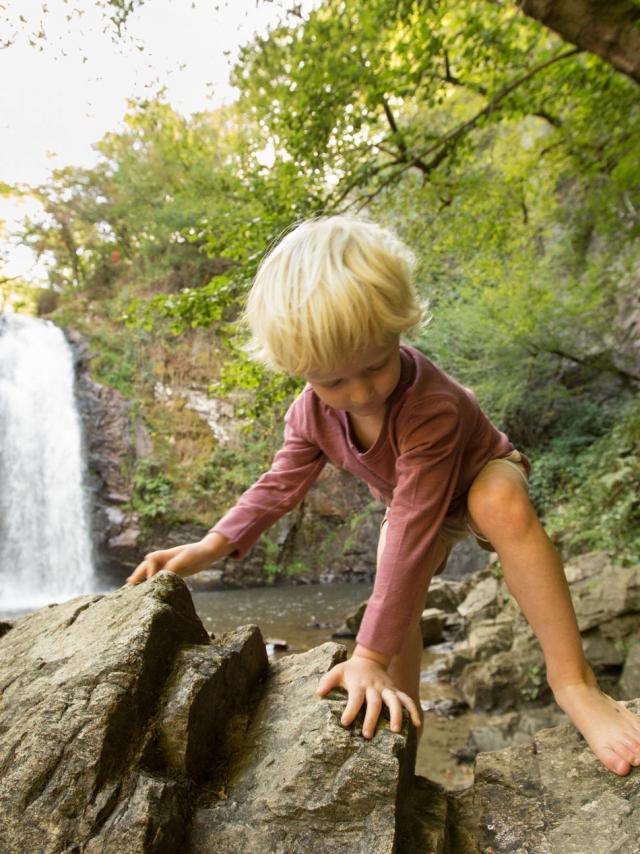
(434, 441)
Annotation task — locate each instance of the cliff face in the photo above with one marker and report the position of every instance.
(125, 727)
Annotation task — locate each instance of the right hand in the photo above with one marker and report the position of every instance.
(183, 560)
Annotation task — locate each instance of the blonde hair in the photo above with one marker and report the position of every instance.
(333, 286)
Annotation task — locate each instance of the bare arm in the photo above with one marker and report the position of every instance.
(183, 560)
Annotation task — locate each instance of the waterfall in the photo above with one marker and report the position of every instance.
(45, 545)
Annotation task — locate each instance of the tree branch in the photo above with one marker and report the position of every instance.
(443, 147)
(597, 363)
(610, 29)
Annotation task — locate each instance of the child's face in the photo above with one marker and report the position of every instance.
(362, 386)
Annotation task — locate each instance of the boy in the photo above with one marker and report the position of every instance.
(329, 304)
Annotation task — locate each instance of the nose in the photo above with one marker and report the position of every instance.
(361, 393)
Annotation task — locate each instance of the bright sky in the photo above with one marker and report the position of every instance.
(60, 96)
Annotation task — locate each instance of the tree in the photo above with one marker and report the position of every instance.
(611, 30)
(364, 92)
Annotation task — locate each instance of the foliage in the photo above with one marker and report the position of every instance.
(504, 158)
(229, 471)
(556, 464)
(597, 506)
(152, 491)
(366, 91)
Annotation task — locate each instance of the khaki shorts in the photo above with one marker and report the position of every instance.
(457, 528)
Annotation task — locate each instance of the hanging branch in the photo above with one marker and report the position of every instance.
(446, 144)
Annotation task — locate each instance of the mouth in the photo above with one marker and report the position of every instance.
(369, 409)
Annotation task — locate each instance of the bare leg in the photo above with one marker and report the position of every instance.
(499, 507)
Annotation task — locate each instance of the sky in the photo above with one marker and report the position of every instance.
(62, 93)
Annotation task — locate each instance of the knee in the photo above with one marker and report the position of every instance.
(500, 504)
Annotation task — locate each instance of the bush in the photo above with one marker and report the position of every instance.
(598, 507)
(152, 492)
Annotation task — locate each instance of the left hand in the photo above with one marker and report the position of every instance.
(365, 680)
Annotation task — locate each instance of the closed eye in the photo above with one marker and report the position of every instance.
(373, 368)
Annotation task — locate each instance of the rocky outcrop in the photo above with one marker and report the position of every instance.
(551, 796)
(125, 727)
(495, 665)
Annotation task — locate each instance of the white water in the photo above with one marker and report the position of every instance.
(45, 546)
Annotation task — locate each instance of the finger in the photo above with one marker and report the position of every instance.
(354, 704)
(411, 707)
(148, 568)
(332, 679)
(374, 705)
(395, 709)
(139, 574)
(174, 565)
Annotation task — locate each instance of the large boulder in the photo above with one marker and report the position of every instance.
(124, 727)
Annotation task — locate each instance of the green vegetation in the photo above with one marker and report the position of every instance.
(506, 158)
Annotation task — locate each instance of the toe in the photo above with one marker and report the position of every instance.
(633, 746)
(612, 760)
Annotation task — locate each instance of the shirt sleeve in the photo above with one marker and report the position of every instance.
(293, 471)
(428, 469)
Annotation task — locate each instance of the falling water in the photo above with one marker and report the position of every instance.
(45, 546)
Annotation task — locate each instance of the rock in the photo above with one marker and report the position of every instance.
(445, 595)
(599, 598)
(551, 797)
(432, 625)
(489, 637)
(505, 680)
(335, 493)
(483, 600)
(218, 414)
(275, 645)
(206, 701)
(630, 679)
(498, 654)
(81, 683)
(426, 826)
(466, 559)
(125, 728)
(334, 791)
(444, 707)
(114, 440)
(607, 644)
(351, 625)
(507, 730)
(585, 566)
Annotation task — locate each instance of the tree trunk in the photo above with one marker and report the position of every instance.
(609, 29)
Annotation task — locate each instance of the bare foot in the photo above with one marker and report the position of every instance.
(610, 729)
